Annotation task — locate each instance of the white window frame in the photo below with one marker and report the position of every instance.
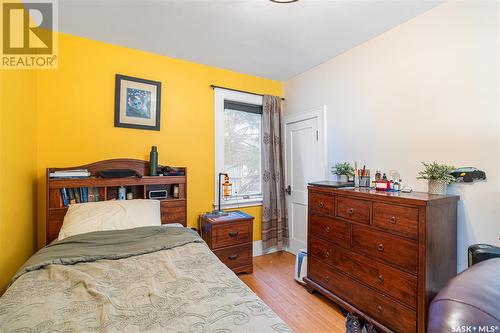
(220, 95)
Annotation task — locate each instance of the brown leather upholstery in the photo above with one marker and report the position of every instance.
(472, 298)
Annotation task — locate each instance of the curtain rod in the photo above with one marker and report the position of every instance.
(242, 91)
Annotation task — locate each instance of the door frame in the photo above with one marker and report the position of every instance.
(319, 113)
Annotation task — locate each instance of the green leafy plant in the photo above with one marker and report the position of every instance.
(343, 168)
(437, 172)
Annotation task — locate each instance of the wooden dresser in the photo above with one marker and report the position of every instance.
(230, 238)
(381, 255)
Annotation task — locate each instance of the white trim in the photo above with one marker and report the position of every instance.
(320, 113)
(221, 94)
(258, 251)
(240, 203)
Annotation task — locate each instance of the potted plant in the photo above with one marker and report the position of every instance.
(343, 171)
(438, 175)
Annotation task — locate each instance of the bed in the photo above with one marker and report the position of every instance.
(132, 278)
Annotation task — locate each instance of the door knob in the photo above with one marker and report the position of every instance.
(288, 190)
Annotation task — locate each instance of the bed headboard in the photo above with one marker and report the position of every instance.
(173, 209)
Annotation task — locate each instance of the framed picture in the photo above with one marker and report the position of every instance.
(137, 103)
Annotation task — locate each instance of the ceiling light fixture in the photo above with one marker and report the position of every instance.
(284, 1)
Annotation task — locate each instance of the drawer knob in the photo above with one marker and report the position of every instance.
(351, 211)
(233, 233)
(327, 229)
(327, 254)
(321, 204)
(380, 247)
(380, 278)
(380, 309)
(233, 257)
(393, 219)
(327, 278)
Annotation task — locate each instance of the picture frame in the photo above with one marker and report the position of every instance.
(137, 103)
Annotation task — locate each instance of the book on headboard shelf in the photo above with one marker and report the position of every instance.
(80, 195)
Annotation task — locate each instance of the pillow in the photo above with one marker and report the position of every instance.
(110, 215)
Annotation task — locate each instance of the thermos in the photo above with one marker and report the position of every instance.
(153, 161)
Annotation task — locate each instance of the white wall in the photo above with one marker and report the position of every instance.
(427, 90)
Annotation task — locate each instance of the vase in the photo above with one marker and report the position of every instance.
(437, 187)
(342, 178)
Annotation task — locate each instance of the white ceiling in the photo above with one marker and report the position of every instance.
(256, 37)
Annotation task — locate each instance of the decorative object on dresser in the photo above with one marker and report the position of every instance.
(95, 188)
(381, 255)
(137, 103)
(343, 171)
(438, 175)
(230, 238)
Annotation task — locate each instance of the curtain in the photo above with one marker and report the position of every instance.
(274, 215)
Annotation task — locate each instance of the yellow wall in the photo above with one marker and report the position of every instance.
(76, 112)
(17, 170)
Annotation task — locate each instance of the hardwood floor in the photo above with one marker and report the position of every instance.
(272, 280)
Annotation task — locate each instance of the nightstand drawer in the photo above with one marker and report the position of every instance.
(235, 256)
(231, 234)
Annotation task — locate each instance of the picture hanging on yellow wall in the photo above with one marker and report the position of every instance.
(137, 103)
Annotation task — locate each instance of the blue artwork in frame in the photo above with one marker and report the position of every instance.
(137, 103)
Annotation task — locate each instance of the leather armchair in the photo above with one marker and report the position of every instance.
(470, 299)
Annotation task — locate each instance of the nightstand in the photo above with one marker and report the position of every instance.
(230, 238)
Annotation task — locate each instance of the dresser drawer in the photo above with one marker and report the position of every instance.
(398, 219)
(386, 279)
(330, 254)
(330, 229)
(391, 281)
(378, 306)
(231, 234)
(235, 256)
(391, 249)
(354, 209)
(321, 204)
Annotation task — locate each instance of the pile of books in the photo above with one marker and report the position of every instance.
(76, 173)
(81, 195)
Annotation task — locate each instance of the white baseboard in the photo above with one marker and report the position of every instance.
(258, 251)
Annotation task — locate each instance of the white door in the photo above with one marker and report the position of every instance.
(304, 164)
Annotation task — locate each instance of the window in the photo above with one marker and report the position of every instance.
(238, 125)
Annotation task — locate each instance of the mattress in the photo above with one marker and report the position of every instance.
(148, 279)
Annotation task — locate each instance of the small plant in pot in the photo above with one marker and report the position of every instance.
(343, 171)
(438, 175)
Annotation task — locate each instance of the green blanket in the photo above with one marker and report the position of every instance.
(113, 244)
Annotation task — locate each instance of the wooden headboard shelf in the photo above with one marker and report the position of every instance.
(173, 210)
